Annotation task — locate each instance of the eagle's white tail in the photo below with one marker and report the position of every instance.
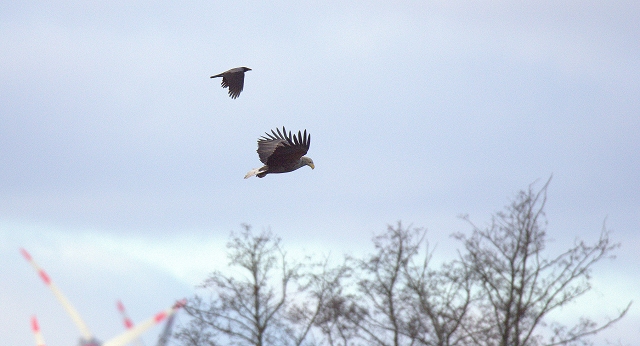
(252, 172)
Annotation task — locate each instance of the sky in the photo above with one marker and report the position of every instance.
(122, 162)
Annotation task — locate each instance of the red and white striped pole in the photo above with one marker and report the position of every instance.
(35, 327)
(75, 316)
(136, 331)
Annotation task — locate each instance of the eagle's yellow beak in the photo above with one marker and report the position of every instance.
(312, 166)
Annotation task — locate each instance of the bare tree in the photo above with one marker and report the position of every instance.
(337, 309)
(518, 286)
(197, 332)
(400, 300)
(498, 292)
(267, 301)
(323, 286)
(338, 319)
(441, 300)
(385, 313)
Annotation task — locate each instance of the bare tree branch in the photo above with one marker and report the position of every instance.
(518, 286)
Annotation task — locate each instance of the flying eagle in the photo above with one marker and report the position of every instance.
(234, 79)
(282, 153)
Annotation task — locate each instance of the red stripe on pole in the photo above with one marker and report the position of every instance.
(45, 277)
(120, 306)
(128, 324)
(34, 324)
(25, 254)
(159, 317)
(180, 304)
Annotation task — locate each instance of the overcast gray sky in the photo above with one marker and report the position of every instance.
(121, 161)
